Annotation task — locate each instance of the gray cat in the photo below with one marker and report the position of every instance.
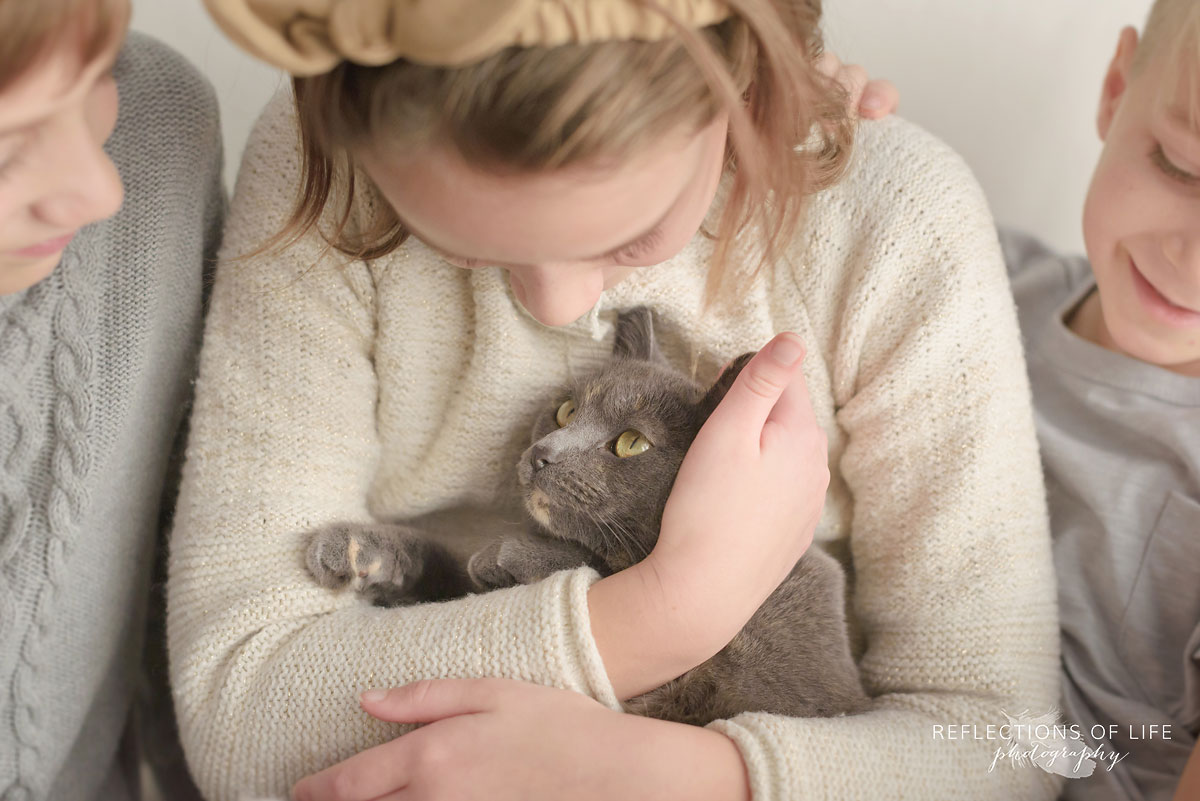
(594, 482)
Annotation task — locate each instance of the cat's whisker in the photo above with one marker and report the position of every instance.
(601, 524)
(635, 546)
(585, 492)
(622, 537)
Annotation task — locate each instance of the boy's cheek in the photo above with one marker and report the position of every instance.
(1123, 202)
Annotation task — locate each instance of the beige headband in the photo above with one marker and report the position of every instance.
(308, 37)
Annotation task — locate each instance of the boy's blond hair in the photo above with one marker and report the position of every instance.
(1173, 33)
(32, 28)
(532, 109)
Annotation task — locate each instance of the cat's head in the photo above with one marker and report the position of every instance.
(605, 451)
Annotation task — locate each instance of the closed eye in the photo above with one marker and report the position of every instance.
(630, 252)
(460, 261)
(1170, 169)
(641, 247)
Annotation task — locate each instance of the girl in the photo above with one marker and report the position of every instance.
(100, 310)
(483, 186)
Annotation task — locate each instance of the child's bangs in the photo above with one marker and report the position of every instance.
(1173, 34)
(33, 30)
(1187, 77)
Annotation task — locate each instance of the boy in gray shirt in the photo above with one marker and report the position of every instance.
(1113, 345)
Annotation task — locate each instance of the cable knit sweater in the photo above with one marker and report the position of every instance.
(95, 367)
(404, 387)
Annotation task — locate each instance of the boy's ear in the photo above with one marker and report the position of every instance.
(1116, 80)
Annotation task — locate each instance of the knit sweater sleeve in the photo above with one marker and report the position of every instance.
(954, 588)
(265, 665)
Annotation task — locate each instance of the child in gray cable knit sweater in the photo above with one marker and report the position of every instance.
(110, 206)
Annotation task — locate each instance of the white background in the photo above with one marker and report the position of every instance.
(1011, 84)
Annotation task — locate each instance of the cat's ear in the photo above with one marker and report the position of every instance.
(635, 336)
(723, 383)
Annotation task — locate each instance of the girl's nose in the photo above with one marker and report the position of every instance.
(557, 294)
(83, 186)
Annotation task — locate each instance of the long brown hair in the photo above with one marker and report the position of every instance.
(546, 108)
(32, 28)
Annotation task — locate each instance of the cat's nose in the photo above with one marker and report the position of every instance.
(540, 457)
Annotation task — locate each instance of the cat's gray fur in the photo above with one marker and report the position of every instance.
(588, 506)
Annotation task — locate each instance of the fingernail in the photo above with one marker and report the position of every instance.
(872, 103)
(787, 350)
(373, 696)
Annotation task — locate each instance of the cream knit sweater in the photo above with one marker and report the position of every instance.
(333, 391)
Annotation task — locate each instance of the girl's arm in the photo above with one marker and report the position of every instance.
(954, 588)
(502, 740)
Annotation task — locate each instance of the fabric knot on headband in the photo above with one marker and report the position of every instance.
(309, 37)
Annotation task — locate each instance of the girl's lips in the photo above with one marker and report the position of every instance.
(1158, 305)
(47, 248)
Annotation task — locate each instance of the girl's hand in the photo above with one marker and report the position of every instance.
(504, 740)
(872, 99)
(746, 501)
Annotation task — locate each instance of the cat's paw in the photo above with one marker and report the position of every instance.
(485, 570)
(328, 556)
(520, 561)
(365, 558)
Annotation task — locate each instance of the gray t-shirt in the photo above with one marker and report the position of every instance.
(1120, 444)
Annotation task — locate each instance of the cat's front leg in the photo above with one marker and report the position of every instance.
(512, 561)
(389, 564)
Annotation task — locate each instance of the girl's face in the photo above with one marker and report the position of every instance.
(562, 236)
(55, 177)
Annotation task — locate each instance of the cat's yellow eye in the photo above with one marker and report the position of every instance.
(631, 443)
(566, 413)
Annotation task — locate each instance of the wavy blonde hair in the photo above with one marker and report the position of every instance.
(534, 109)
(33, 28)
